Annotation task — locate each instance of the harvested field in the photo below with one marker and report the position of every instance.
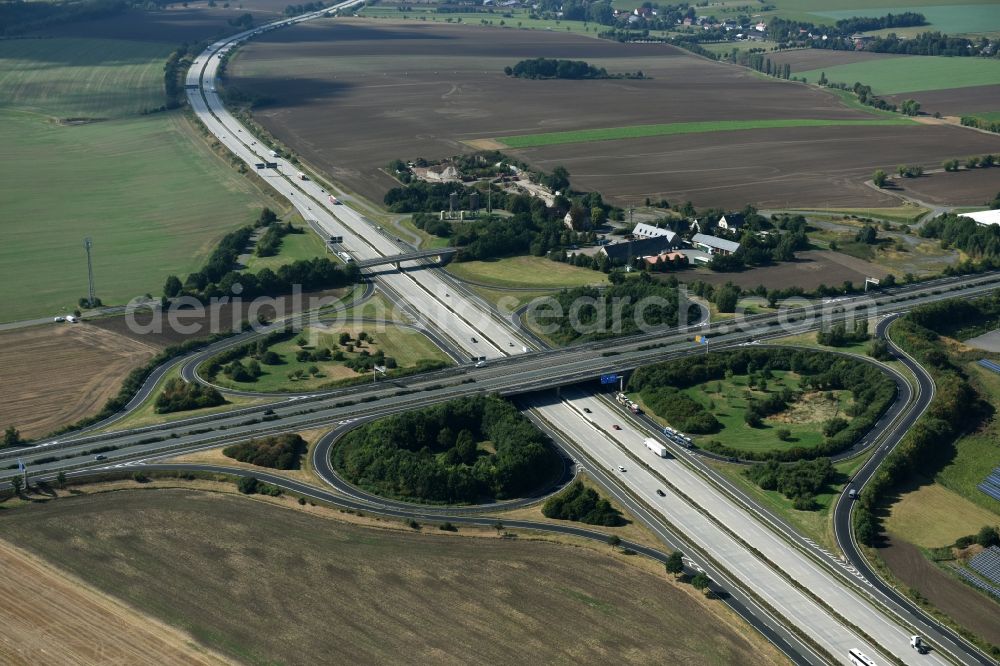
(64, 621)
(972, 187)
(811, 269)
(404, 89)
(268, 584)
(63, 373)
(803, 60)
(955, 101)
(965, 605)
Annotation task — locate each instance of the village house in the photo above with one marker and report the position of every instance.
(714, 245)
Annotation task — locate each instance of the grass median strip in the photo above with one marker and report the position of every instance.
(642, 131)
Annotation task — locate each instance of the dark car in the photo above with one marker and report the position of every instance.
(616, 427)
(586, 410)
(660, 493)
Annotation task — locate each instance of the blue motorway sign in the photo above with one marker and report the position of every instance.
(609, 379)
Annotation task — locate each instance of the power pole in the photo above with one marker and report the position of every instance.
(87, 243)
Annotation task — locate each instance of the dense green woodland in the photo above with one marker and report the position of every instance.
(551, 68)
(955, 409)
(433, 455)
(276, 451)
(800, 481)
(577, 502)
(872, 390)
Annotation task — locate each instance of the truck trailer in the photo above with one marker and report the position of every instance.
(656, 447)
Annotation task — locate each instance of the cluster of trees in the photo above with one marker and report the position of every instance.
(551, 68)
(625, 307)
(872, 390)
(239, 372)
(980, 242)
(180, 396)
(276, 451)
(296, 10)
(838, 335)
(685, 413)
(582, 504)
(432, 224)
(981, 123)
(974, 161)
(987, 536)
(270, 241)
(12, 437)
(244, 21)
(855, 24)
(758, 62)
(755, 250)
(249, 485)
(431, 454)
(759, 409)
(258, 351)
(910, 170)
(955, 408)
(959, 318)
(800, 481)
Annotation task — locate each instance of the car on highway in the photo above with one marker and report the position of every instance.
(474, 339)
(59, 319)
(481, 364)
(621, 468)
(586, 410)
(616, 426)
(660, 493)
(100, 456)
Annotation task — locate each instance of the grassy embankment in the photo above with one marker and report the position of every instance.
(80, 160)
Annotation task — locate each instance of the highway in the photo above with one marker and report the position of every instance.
(809, 600)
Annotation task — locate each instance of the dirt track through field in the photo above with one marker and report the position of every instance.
(48, 617)
(62, 373)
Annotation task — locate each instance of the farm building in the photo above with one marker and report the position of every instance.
(623, 253)
(649, 231)
(714, 245)
(984, 217)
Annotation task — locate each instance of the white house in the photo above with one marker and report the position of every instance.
(732, 222)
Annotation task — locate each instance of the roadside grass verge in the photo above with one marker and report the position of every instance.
(526, 272)
(900, 214)
(670, 129)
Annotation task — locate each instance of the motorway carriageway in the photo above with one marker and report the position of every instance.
(427, 297)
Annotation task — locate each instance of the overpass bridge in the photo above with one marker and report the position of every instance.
(443, 254)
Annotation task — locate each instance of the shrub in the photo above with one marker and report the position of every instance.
(178, 396)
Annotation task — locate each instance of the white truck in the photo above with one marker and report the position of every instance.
(656, 447)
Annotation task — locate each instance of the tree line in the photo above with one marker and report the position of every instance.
(270, 241)
(799, 481)
(870, 388)
(432, 455)
(956, 407)
(582, 504)
(275, 451)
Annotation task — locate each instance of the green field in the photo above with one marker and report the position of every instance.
(407, 346)
(901, 214)
(526, 272)
(144, 188)
(669, 129)
(890, 76)
(954, 19)
(294, 247)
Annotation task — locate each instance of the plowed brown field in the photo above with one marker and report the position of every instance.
(350, 95)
